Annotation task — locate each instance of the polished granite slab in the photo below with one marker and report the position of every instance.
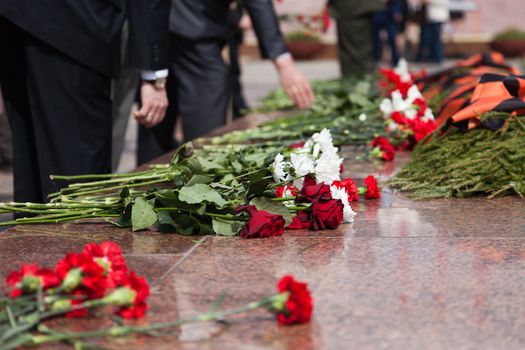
(440, 274)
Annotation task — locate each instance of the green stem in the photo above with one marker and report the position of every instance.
(119, 331)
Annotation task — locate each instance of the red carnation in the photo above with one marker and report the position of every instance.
(261, 224)
(109, 256)
(399, 118)
(372, 190)
(81, 274)
(313, 191)
(422, 129)
(141, 289)
(386, 150)
(327, 215)
(299, 305)
(29, 279)
(350, 187)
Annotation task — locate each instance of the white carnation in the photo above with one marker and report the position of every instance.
(402, 70)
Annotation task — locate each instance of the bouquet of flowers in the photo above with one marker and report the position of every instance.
(226, 191)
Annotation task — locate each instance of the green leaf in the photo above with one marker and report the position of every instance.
(199, 179)
(358, 100)
(165, 222)
(226, 227)
(264, 203)
(142, 214)
(199, 193)
(209, 165)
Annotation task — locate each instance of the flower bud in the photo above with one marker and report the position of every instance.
(123, 296)
(30, 283)
(279, 302)
(72, 280)
(61, 304)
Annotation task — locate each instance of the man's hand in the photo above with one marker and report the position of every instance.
(154, 103)
(294, 82)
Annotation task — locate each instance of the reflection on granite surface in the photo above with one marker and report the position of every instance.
(440, 274)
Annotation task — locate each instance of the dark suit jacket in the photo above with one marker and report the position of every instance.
(208, 19)
(89, 30)
(355, 8)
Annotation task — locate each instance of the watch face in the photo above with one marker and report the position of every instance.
(160, 83)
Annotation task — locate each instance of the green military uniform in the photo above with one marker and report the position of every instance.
(354, 32)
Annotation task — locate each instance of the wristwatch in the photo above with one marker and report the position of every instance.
(158, 83)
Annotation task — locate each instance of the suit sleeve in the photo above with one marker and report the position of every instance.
(149, 33)
(266, 26)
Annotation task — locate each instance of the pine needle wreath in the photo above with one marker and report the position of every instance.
(459, 164)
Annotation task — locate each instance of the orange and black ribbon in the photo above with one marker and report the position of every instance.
(493, 93)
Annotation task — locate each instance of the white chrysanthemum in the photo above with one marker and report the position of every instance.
(428, 115)
(386, 107)
(410, 113)
(362, 117)
(340, 193)
(399, 103)
(413, 94)
(302, 164)
(325, 141)
(327, 167)
(279, 171)
(402, 70)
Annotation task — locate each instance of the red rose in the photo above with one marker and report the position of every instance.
(299, 144)
(387, 151)
(109, 256)
(372, 190)
(141, 289)
(299, 305)
(327, 214)
(91, 282)
(350, 187)
(312, 191)
(300, 221)
(261, 224)
(29, 279)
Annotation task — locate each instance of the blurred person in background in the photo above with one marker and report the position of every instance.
(435, 14)
(386, 20)
(239, 22)
(401, 23)
(199, 85)
(56, 82)
(6, 153)
(354, 34)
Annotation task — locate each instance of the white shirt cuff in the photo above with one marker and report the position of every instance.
(283, 56)
(153, 74)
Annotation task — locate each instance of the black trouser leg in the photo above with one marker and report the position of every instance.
(65, 127)
(14, 89)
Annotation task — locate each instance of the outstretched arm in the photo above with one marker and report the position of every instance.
(272, 45)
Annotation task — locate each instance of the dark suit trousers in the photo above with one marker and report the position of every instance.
(59, 111)
(198, 87)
